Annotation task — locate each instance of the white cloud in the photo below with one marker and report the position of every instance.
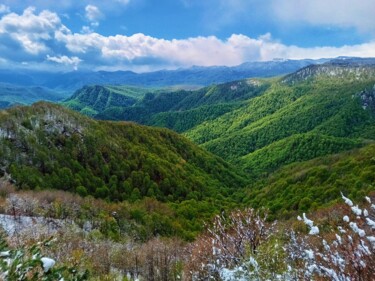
(43, 33)
(86, 29)
(30, 30)
(93, 14)
(205, 51)
(342, 13)
(4, 9)
(74, 61)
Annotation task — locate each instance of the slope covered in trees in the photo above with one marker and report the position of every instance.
(295, 119)
(91, 100)
(319, 182)
(263, 124)
(175, 109)
(46, 146)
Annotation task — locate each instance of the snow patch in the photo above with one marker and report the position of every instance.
(347, 200)
(48, 263)
(356, 229)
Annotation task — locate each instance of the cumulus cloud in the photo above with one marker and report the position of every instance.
(30, 30)
(42, 33)
(93, 14)
(205, 51)
(4, 9)
(73, 61)
(343, 13)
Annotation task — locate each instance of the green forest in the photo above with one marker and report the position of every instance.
(159, 173)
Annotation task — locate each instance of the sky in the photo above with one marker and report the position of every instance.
(148, 35)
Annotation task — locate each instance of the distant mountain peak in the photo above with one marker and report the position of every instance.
(344, 67)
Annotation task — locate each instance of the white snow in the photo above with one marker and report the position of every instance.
(253, 262)
(341, 229)
(371, 239)
(314, 230)
(356, 210)
(326, 246)
(5, 254)
(345, 219)
(310, 254)
(368, 199)
(356, 229)
(365, 213)
(47, 263)
(312, 268)
(307, 221)
(35, 226)
(370, 222)
(347, 200)
(338, 238)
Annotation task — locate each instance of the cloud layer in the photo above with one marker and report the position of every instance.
(42, 38)
(344, 13)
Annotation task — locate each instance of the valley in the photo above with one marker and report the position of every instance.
(187, 140)
(156, 172)
(258, 124)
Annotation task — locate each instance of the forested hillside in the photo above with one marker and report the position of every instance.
(46, 146)
(176, 109)
(309, 185)
(288, 123)
(262, 124)
(91, 100)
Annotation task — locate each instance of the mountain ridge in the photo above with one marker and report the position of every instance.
(204, 76)
(47, 146)
(258, 120)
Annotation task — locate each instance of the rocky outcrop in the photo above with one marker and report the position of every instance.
(367, 98)
(354, 72)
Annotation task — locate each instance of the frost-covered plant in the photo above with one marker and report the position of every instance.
(28, 263)
(348, 253)
(230, 246)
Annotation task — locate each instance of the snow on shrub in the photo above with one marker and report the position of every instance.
(346, 253)
(27, 263)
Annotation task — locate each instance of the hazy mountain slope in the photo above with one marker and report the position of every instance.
(13, 95)
(91, 100)
(196, 75)
(47, 146)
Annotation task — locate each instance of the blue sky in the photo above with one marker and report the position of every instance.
(145, 35)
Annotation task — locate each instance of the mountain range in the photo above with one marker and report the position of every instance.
(60, 85)
(253, 141)
(257, 124)
(195, 75)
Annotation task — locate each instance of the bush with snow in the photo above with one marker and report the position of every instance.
(28, 263)
(239, 246)
(243, 246)
(344, 253)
